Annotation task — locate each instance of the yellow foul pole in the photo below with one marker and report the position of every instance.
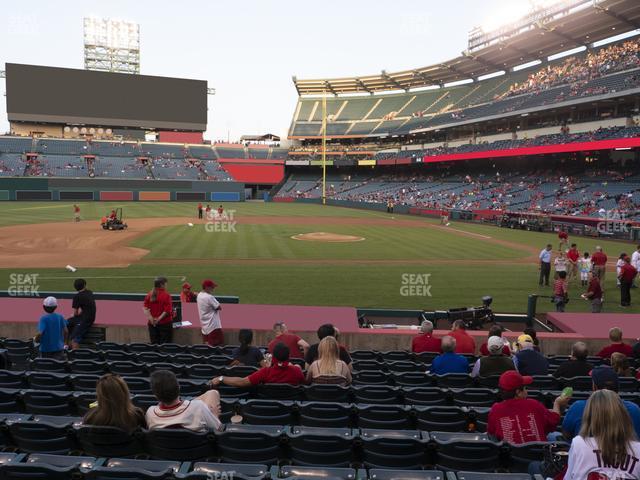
(324, 149)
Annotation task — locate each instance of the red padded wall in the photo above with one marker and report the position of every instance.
(181, 137)
(268, 174)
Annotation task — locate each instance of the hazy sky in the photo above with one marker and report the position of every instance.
(248, 50)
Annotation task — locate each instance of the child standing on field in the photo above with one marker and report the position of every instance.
(584, 266)
(619, 265)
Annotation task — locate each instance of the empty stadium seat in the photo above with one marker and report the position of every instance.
(325, 414)
(108, 441)
(42, 436)
(180, 444)
(268, 412)
(207, 471)
(393, 449)
(246, 444)
(460, 451)
(329, 447)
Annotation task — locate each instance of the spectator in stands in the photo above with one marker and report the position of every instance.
(113, 407)
(159, 311)
(616, 345)
(577, 365)
(516, 410)
(599, 260)
(534, 336)
(200, 414)
(209, 312)
(297, 346)
(186, 295)
(560, 291)
(496, 363)
(627, 276)
(52, 331)
(279, 371)
(495, 331)
(594, 293)
(604, 378)
(607, 446)
(328, 368)
(84, 313)
(326, 330)
(449, 361)
(620, 365)
(247, 354)
(528, 361)
(464, 342)
(425, 341)
(545, 265)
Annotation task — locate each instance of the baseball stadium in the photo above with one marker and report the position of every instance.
(432, 275)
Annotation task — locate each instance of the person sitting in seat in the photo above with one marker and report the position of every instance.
(449, 361)
(113, 407)
(279, 371)
(297, 346)
(200, 414)
(495, 331)
(496, 363)
(329, 369)
(326, 330)
(247, 354)
(577, 365)
(425, 341)
(617, 345)
(528, 360)
(464, 342)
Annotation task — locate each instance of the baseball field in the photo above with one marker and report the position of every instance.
(286, 253)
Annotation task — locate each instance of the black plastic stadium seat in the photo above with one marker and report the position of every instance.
(108, 441)
(141, 347)
(544, 382)
(364, 355)
(207, 471)
(474, 397)
(426, 396)
(382, 474)
(327, 393)
(328, 447)
(448, 419)
(42, 437)
(172, 367)
(492, 476)
(325, 414)
(520, 456)
(48, 365)
(85, 354)
(110, 346)
(280, 391)
(138, 385)
(469, 452)
(238, 444)
(489, 382)
(84, 383)
(370, 377)
(122, 468)
(396, 356)
(406, 366)
(153, 357)
(454, 380)
(395, 417)
(376, 394)
(144, 401)
(192, 388)
(9, 379)
(203, 371)
(393, 449)
(47, 403)
(268, 412)
(119, 356)
(88, 367)
(373, 365)
(83, 401)
(333, 473)
(6, 457)
(48, 381)
(128, 369)
(411, 379)
(171, 348)
(179, 444)
(46, 467)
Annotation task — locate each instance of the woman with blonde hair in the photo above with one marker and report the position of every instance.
(620, 365)
(113, 406)
(607, 446)
(328, 368)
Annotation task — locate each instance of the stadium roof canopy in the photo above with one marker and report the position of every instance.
(574, 23)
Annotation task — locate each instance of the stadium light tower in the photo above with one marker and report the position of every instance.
(111, 45)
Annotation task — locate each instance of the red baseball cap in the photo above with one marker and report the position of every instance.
(186, 285)
(512, 380)
(209, 284)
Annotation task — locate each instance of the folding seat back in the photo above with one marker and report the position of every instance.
(544, 382)
(47, 403)
(495, 476)
(88, 367)
(47, 365)
(203, 350)
(187, 359)
(383, 474)
(128, 369)
(126, 469)
(372, 365)
(268, 412)
(474, 397)
(228, 471)
(42, 437)
(144, 401)
(394, 417)
(171, 348)
(398, 450)
(327, 393)
(172, 367)
(249, 444)
(119, 356)
(376, 394)
(426, 396)
(110, 346)
(239, 371)
(364, 355)
(411, 379)
(468, 452)
(333, 473)
(84, 383)
(280, 391)
(370, 377)
(85, 354)
(579, 384)
(5, 420)
(445, 419)
(192, 388)
(46, 467)
(141, 347)
(48, 381)
(406, 366)
(108, 441)
(180, 444)
(203, 371)
(83, 401)
(490, 381)
(454, 380)
(520, 456)
(425, 357)
(9, 400)
(325, 414)
(10, 379)
(396, 356)
(321, 447)
(138, 385)
(153, 357)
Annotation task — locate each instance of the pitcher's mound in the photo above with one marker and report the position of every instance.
(327, 237)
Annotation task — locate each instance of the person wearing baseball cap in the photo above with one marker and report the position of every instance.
(603, 377)
(518, 419)
(209, 314)
(52, 331)
(496, 363)
(529, 361)
(186, 295)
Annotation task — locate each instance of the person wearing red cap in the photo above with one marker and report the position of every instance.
(209, 314)
(518, 419)
(186, 295)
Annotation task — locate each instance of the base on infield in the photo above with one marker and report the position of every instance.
(327, 237)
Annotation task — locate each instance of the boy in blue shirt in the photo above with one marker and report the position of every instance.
(52, 331)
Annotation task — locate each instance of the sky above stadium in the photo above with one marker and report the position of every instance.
(248, 50)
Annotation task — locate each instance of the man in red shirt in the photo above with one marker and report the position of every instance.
(159, 311)
(594, 293)
(76, 213)
(425, 341)
(200, 210)
(564, 239)
(573, 255)
(297, 346)
(464, 342)
(280, 371)
(599, 259)
(627, 274)
(617, 345)
(518, 419)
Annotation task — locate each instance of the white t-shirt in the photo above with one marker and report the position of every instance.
(190, 414)
(635, 259)
(585, 462)
(208, 313)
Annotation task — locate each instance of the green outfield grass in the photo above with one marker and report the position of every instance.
(262, 264)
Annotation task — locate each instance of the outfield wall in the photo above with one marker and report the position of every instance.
(119, 190)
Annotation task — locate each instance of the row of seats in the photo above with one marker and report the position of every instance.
(58, 467)
(276, 445)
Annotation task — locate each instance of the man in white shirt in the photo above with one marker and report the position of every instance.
(545, 265)
(635, 261)
(209, 314)
(199, 414)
